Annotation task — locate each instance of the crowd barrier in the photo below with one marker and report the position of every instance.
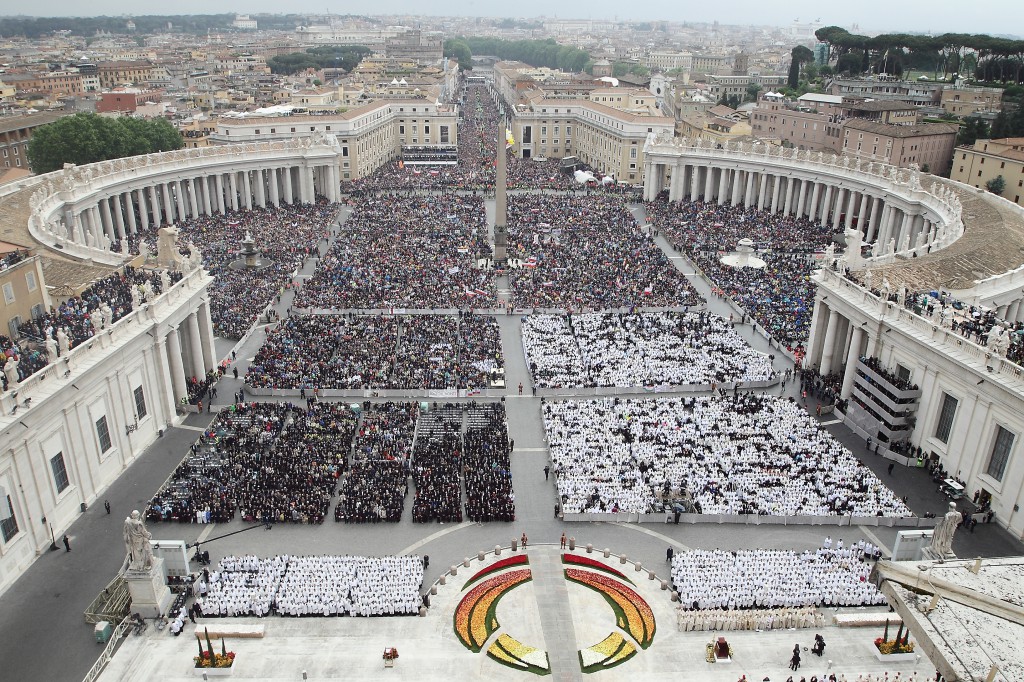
(755, 520)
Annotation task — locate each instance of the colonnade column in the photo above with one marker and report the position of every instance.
(837, 215)
(119, 217)
(233, 191)
(289, 197)
(723, 185)
(862, 215)
(828, 347)
(204, 190)
(246, 191)
(261, 191)
(177, 367)
(851, 207)
(856, 338)
(129, 211)
(812, 210)
(143, 209)
(218, 183)
(193, 202)
(801, 202)
(108, 221)
(776, 191)
(748, 197)
(195, 346)
(154, 204)
(648, 179)
(168, 202)
(762, 191)
(708, 183)
(272, 184)
(206, 336)
(826, 205)
(179, 191)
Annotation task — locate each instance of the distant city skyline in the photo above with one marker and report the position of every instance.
(999, 17)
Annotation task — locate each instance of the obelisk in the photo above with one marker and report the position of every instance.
(501, 200)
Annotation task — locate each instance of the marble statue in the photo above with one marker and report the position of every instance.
(124, 247)
(891, 247)
(165, 281)
(96, 318)
(108, 315)
(868, 276)
(136, 297)
(167, 254)
(854, 241)
(876, 249)
(76, 234)
(90, 240)
(901, 297)
(942, 538)
(904, 242)
(51, 350)
(830, 255)
(63, 341)
(998, 340)
(137, 543)
(147, 292)
(11, 372)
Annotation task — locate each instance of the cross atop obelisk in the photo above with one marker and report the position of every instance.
(501, 199)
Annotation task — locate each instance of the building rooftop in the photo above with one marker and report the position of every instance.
(890, 130)
(12, 123)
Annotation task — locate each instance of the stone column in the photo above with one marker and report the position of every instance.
(310, 197)
(129, 211)
(748, 197)
(812, 352)
(826, 205)
(837, 215)
(762, 191)
(801, 202)
(195, 346)
(812, 212)
(905, 229)
(261, 192)
(828, 348)
(737, 187)
(143, 209)
(119, 217)
(233, 190)
(709, 181)
(851, 363)
(218, 183)
(885, 227)
(723, 185)
(179, 192)
(694, 183)
(862, 215)
(168, 202)
(289, 196)
(107, 219)
(275, 197)
(203, 184)
(776, 192)
(851, 207)
(332, 178)
(177, 366)
(193, 200)
(648, 180)
(246, 191)
(872, 230)
(787, 205)
(206, 335)
(154, 205)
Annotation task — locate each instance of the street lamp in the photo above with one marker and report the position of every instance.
(53, 540)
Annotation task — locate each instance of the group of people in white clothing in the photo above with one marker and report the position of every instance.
(775, 579)
(689, 620)
(745, 454)
(639, 349)
(315, 586)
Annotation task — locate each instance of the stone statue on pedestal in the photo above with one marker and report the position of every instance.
(165, 282)
(11, 372)
(998, 341)
(108, 315)
(136, 298)
(51, 350)
(63, 341)
(136, 542)
(854, 240)
(96, 318)
(942, 538)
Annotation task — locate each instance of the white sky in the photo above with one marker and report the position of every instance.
(996, 17)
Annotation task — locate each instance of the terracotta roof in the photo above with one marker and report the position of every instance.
(890, 130)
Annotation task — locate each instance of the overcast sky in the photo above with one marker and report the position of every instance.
(938, 16)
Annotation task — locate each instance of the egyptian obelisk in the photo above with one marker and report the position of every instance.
(501, 200)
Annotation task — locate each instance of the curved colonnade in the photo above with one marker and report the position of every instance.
(887, 205)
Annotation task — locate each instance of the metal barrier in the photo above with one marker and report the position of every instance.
(109, 650)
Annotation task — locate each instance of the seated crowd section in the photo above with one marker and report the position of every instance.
(830, 576)
(638, 349)
(377, 352)
(579, 252)
(400, 252)
(287, 585)
(780, 296)
(747, 454)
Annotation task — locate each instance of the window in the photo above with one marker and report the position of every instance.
(444, 135)
(1000, 453)
(8, 526)
(60, 472)
(902, 372)
(140, 403)
(103, 433)
(946, 415)
(401, 130)
(8, 293)
(30, 280)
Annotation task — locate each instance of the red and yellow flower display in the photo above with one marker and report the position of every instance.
(592, 563)
(475, 618)
(507, 562)
(513, 653)
(608, 653)
(632, 612)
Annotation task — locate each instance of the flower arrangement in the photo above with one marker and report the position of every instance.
(591, 563)
(390, 654)
(474, 616)
(209, 658)
(633, 613)
(516, 560)
(900, 645)
(608, 653)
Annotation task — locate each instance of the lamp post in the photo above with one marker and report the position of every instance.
(53, 540)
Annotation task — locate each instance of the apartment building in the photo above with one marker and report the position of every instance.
(987, 160)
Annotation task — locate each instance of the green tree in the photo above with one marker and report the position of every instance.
(972, 130)
(457, 49)
(799, 56)
(87, 138)
(753, 89)
(996, 185)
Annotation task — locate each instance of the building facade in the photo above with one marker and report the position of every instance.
(989, 159)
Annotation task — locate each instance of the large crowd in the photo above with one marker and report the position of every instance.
(580, 252)
(285, 237)
(314, 586)
(378, 351)
(638, 349)
(779, 296)
(267, 462)
(375, 488)
(832, 575)
(401, 252)
(747, 454)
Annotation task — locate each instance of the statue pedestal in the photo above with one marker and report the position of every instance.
(148, 589)
(933, 555)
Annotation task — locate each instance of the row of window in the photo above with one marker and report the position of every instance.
(998, 458)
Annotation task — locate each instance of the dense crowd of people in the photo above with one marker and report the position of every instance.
(397, 252)
(378, 351)
(748, 454)
(267, 462)
(285, 236)
(287, 585)
(489, 494)
(580, 252)
(638, 349)
(375, 488)
(779, 296)
(771, 578)
(437, 461)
